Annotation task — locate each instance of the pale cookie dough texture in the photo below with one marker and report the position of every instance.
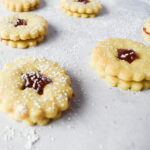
(34, 90)
(146, 30)
(20, 5)
(81, 8)
(70, 13)
(124, 85)
(22, 30)
(134, 75)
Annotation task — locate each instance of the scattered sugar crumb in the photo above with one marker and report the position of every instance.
(29, 135)
(8, 133)
(32, 138)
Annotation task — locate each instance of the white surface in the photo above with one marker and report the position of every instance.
(101, 118)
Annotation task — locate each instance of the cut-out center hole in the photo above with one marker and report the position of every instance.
(20, 22)
(36, 81)
(83, 1)
(128, 55)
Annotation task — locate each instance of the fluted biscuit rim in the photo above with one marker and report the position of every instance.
(20, 6)
(27, 105)
(36, 27)
(104, 57)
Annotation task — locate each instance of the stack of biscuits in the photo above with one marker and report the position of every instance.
(81, 8)
(123, 63)
(22, 30)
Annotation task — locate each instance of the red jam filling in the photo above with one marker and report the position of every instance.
(36, 81)
(144, 29)
(1, 39)
(128, 55)
(20, 22)
(83, 1)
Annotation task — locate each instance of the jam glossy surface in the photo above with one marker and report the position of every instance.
(83, 1)
(20, 22)
(144, 29)
(36, 81)
(128, 55)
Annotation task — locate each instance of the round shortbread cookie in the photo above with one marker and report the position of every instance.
(22, 26)
(21, 5)
(78, 14)
(34, 90)
(110, 54)
(82, 6)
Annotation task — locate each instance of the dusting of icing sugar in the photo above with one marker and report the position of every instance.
(57, 73)
(22, 109)
(37, 104)
(32, 138)
(8, 133)
(28, 134)
(75, 55)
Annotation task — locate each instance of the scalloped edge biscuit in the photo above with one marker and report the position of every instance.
(104, 57)
(93, 7)
(20, 5)
(78, 15)
(36, 27)
(23, 44)
(27, 105)
(124, 85)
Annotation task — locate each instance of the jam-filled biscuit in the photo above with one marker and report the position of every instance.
(21, 5)
(122, 58)
(70, 13)
(34, 90)
(23, 43)
(22, 26)
(81, 8)
(25, 27)
(124, 85)
(146, 30)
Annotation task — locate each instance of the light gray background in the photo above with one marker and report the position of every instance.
(101, 117)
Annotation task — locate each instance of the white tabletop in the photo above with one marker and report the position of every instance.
(101, 117)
